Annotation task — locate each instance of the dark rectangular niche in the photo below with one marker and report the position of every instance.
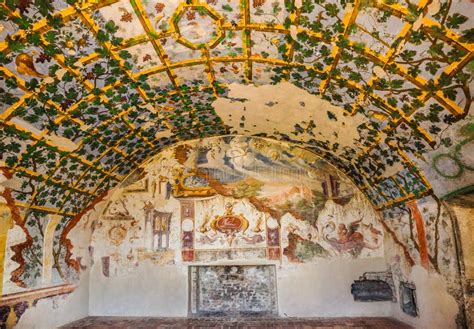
(374, 287)
(408, 298)
(234, 290)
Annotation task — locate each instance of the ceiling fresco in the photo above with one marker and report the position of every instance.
(91, 89)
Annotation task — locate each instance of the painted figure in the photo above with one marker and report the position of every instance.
(349, 239)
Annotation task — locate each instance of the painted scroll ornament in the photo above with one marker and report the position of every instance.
(189, 184)
(230, 224)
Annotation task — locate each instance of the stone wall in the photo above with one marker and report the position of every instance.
(233, 290)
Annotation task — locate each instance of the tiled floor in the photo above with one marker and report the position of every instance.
(240, 323)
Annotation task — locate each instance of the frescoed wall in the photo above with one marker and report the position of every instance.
(90, 90)
(235, 198)
(251, 200)
(45, 263)
(231, 200)
(423, 249)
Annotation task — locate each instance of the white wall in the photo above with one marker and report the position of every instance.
(305, 290)
(57, 311)
(324, 289)
(437, 309)
(158, 291)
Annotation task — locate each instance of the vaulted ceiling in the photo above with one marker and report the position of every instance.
(91, 89)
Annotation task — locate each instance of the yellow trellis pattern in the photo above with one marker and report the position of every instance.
(244, 26)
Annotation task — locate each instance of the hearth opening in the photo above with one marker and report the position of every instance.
(233, 290)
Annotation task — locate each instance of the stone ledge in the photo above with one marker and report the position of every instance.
(36, 294)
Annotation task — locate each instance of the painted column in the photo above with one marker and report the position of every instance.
(149, 231)
(187, 230)
(420, 229)
(149, 214)
(330, 186)
(6, 223)
(48, 259)
(273, 239)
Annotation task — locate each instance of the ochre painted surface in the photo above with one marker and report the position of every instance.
(6, 223)
(48, 258)
(464, 215)
(420, 231)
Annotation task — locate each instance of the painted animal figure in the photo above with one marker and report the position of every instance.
(300, 250)
(350, 234)
(349, 239)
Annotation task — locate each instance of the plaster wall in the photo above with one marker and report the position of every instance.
(159, 291)
(323, 290)
(239, 201)
(304, 290)
(55, 311)
(60, 310)
(248, 201)
(466, 228)
(437, 308)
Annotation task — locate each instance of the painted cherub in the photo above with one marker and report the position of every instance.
(349, 234)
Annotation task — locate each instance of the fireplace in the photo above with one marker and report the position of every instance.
(234, 290)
